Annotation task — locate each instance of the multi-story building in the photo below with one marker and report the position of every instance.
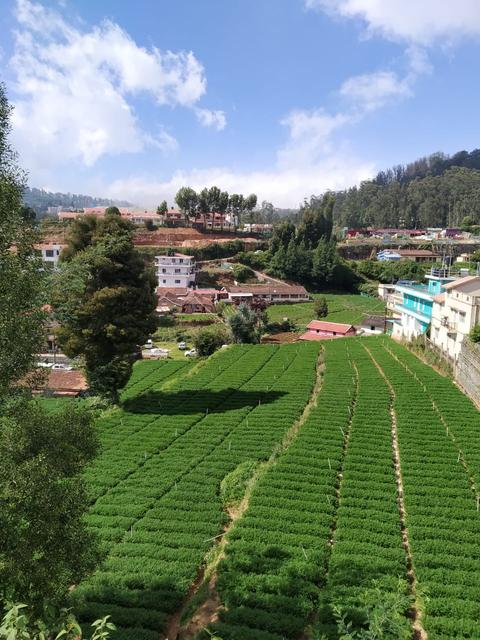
(414, 312)
(176, 270)
(455, 312)
(50, 253)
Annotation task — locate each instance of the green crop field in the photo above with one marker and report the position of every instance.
(363, 464)
(345, 308)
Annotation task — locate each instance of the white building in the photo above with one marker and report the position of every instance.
(50, 253)
(454, 313)
(176, 270)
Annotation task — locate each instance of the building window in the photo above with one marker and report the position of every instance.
(177, 281)
(49, 253)
(164, 281)
(164, 271)
(181, 260)
(178, 271)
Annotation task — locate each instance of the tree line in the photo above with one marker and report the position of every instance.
(431, 192)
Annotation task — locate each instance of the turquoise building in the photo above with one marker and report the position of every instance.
(414, 303)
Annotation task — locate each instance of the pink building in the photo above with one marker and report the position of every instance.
(321, 330)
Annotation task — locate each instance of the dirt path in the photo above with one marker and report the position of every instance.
(208, 608)
(418, 630)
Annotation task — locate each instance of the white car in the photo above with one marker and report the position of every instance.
(44, 365)
(182, 346)
(148, 344)
(61, 367)
(191, 353)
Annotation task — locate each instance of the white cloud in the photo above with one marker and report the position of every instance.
(208, 118)
(371, 91)
(75, 86)
(420, 21)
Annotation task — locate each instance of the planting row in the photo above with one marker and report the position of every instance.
(170, 510)
(441, 511)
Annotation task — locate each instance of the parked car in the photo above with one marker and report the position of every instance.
(191, 353)
(61, 367)
(182, 346)
(148, 344)
(44, 365)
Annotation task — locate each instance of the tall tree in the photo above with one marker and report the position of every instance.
(21, 273)
(325, 260)
(46, 546)
(162, 208)
(187, 201)
(105, 301)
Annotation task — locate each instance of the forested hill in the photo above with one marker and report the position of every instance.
(436, 191)
(40, 200)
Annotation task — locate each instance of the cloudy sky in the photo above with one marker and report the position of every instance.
(284, 98)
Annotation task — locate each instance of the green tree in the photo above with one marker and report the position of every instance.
(317, 220)
(162, 208)
(207, 340)
(22, 278)
(245, 326)
(187, 201)
(242, 273)
(320, 307)
(324, 261)
(105, 301)
(46, 546)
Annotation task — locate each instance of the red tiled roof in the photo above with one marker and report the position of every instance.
(419, 253)
(461, 281)
(262, 289)
(440, 298)
(336, 327)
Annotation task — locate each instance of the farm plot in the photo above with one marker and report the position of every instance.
(334, 487)
(162, 519)
(153, 373)
(441, 509)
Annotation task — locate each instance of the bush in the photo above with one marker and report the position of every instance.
(320, 307)
(242, 273)
(475, 333)
(208, 340)
(166, 321)
(281, 326)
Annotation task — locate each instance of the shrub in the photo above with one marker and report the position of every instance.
(208, 340)
(242, 273)
(320, 307)
(475, 333)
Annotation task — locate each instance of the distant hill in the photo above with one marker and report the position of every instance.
(40, 200)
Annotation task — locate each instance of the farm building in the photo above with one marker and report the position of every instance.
(268, 292)
(321, 330)
(373, 324)
(195, 303)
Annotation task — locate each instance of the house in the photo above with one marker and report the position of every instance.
(175, 270)
(212, 221)
(385, 290)
(455, 312)
(257, 227)
(195, 303)
(387, 255)
(414, 312)
(418, 255)
(272, 292)
(50, 253)
(321, 330)
(63, 384)
(373, 324)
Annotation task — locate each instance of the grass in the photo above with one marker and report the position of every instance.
(346, 308)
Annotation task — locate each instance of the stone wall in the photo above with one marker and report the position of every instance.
(467, 370)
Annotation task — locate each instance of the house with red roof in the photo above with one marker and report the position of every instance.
(322, 330)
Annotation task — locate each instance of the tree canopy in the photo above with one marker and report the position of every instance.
(105, 300)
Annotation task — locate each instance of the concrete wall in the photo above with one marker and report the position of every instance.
(467, 370)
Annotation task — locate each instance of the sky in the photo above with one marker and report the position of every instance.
(282, 98)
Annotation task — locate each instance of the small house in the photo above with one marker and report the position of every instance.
(373, 324)
(195, 303)
(321, 330)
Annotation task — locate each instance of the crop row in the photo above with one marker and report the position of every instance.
(150, 570)
(153, 373)
(154, 420)
(151, 460)
(459, 414)
(441, 513)
(276, 553)
(367, 543)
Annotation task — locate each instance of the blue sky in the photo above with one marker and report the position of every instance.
(283, 98)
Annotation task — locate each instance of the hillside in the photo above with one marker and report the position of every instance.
(277, 461)
(437, 191)
(40, 200)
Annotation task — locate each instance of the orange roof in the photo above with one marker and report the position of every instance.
(460, 281)
(440, 298)
(337, 327)
(309, 335)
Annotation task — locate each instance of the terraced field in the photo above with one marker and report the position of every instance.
(364, 464)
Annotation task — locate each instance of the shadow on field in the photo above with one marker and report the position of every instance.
(201, 401)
